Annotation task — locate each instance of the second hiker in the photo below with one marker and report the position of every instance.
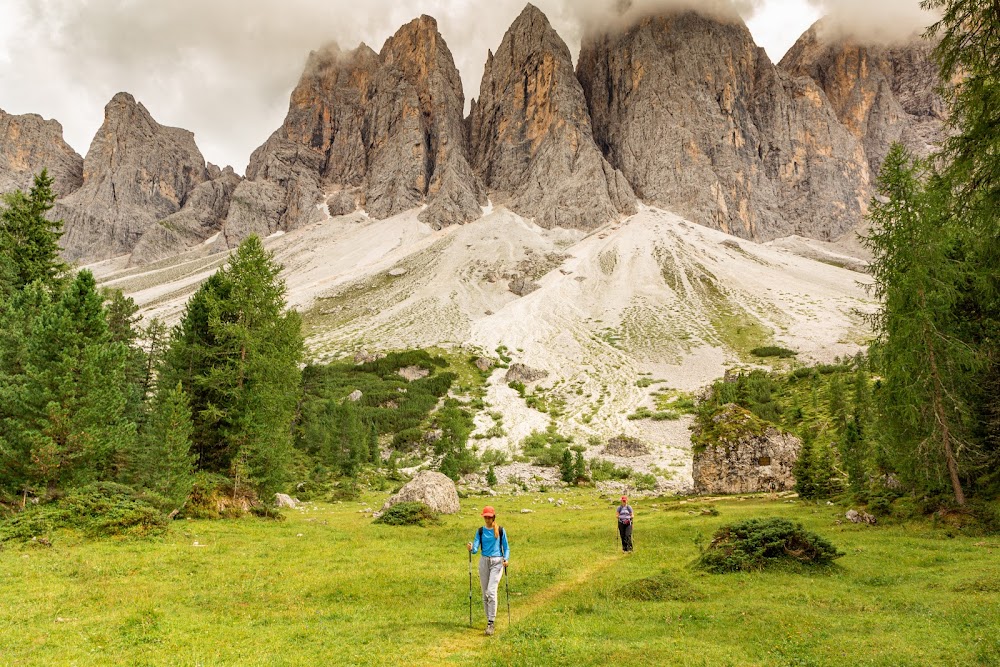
(625, 517)
(492, 539)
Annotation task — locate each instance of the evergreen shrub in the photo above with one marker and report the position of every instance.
(758, 544)
(408, 514)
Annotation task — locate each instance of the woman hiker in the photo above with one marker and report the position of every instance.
(492, 539)
(625, 517)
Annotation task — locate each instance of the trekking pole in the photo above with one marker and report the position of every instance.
(470, 589)
(507, 584)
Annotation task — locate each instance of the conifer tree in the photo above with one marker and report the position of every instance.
(579, 468)
(802, 470)
(29, 241)
(926, 367)
(162, 461)
(236, 353)
(64, 390)
(567, 471)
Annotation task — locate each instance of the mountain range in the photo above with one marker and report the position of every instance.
(676, 111)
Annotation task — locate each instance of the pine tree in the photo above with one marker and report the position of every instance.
(29, 241)
(838, 402)
(567, 471)
(802, 470)
(580, 468)
(491, 477)
(65, 420)
(236, 353)
(162, 461)
(925, 366)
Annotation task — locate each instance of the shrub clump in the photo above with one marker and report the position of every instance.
(98, 510)
(408, 514)
(756, 544)
(773, 351)
(660, 587)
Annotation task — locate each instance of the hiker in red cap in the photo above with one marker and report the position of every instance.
(495, 552)
(626, 515)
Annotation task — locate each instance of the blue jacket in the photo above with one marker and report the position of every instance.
(492, 548)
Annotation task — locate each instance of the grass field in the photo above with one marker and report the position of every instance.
(329, 587)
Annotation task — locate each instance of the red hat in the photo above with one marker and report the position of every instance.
(489, 511)
(625, 498)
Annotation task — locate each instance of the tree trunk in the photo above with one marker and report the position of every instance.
(942, 417)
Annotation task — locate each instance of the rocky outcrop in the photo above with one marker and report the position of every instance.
(431, 488)
(383, 132)
(701, 122)
(532, 141)
(742, 454)
(198, 220)
(29, 144)
(882, 94)
(136, 173)
(525, 374)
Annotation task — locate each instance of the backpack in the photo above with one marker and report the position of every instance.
(501, 540)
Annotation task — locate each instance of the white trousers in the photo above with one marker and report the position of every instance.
(490, 573)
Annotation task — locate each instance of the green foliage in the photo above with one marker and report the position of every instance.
(29, 241)
(64, 390)
(567, 471)
(491, 477)
(236, 353)
(162, 462)
(757, 544)
(545, 448)
(926, 366)
(408, 514)
(98, 510)
(773, 351)
(602, 471)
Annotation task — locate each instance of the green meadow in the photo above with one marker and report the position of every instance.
(327, 586)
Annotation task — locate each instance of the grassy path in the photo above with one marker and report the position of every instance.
(465, 646)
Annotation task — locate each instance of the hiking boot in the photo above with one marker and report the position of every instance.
(489, 629)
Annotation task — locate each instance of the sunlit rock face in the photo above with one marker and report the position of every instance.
(701, 122)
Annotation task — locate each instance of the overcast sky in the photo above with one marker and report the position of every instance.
(224, 68)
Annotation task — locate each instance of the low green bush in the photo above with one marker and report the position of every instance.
(773, 351)
(98, 510)
(408, 514)
(757, 544)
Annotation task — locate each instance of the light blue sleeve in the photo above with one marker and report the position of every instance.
(475, 543)
(504, 547)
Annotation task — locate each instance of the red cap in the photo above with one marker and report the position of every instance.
(625, 498)
(489, 511)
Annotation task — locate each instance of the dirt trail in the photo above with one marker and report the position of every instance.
(467, 644)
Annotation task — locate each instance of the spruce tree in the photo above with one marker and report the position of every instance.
(64, 390)
(567, 471)
(162, 461)
(579, 468)
(926, 367)
(29, 241)
(802, 469)
(236, 353)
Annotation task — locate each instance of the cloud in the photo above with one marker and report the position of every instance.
(873, 21)
(224, 68)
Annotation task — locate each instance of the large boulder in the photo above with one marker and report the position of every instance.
(430, 488)
(739, 453)
(525, 374)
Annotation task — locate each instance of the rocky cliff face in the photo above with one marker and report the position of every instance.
(532, 139)
(881, 94)
(136, 173)
(380, 131)
(29, 144)
(702, 123)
